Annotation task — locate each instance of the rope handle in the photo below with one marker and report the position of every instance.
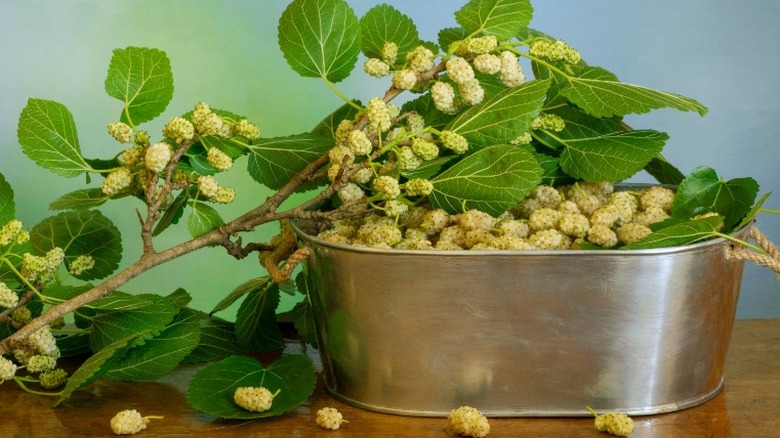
(770, 259)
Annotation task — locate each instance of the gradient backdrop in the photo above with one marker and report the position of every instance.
(721, 52)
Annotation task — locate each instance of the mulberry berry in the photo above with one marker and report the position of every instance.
(467, 421)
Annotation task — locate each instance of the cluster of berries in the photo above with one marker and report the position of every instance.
(143, 159)
(549, 218)
(39, 353)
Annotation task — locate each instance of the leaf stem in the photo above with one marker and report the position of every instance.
(769, 210)
(21, 384)
(741, 242)
(341, 95)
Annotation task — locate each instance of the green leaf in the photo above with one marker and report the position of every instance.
(599, 93)
(83, 199)
(7, 207)
(92, 368)
(81, 232)
(664, 172)
(450, 35)
(142, 79)
(327, 127)
(320, 38)
(303, 313)
(179, 297)
(703, 192)
(211, 389)
(502, 18)
(384, 23)
(48, 136)
(217, 340)
(203, 219)
(491, 179)
(239, 291)
(173, 213)
(429, 169)
(753, 212)
(152, 318)
(256, 328)
(503, 117)
(160, 355)
(611, 157)
(680, 233)
(274, 161)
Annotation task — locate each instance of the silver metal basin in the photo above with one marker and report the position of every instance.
(524, 333)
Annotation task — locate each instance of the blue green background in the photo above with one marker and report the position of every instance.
(721, 52)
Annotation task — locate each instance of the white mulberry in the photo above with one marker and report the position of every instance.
(467, 421)
(329, 418)
(253, 399)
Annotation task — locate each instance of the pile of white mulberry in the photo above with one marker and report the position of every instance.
(549, 218)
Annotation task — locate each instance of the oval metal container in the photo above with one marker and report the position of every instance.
(523, 333)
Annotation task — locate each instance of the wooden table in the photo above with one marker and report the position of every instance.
(748, 406)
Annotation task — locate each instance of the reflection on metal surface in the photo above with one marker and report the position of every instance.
(524, 333)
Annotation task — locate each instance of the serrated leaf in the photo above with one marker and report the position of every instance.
(612, 157)
(179, 297)
(599, 93)
(58, 293)
(92, 368)
(239, 291)
(320, 38)
(108, 326)
(211, 389)
(502, 18)
(203, 219)
(81, 232)
(274, 161)
(681, 233)
(83, 199)
(73, 345)
(703, 191)
(429, 169)
(217, 340)
(384, 23)
(7, 207)
(256, 328)
(142, 79)
(502, 117)
(491, 179)
(159, 355)
(48, 136)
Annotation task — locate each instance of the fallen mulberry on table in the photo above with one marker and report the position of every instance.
(614, 423)
(329, 418)
(129, 422)
(467, 421)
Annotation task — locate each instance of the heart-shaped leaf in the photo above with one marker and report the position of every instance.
(217, 340)
(256, 328)
(384, 23)
(703, 191)
(48, 136)
(81, 232)
(211, 389)
(142, 79)
(320, 38)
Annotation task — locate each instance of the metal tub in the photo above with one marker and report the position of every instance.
(523, 333)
